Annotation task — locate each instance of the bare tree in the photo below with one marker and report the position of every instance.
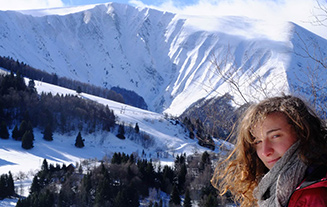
(21, 176)
(250, 79)
(312, 76)
(319, 16)
(309, 48)
(231, 75)
(312, 50)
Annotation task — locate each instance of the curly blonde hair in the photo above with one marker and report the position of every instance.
(241, 171)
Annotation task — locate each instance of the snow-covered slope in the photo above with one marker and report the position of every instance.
(164, 57)
(169, 138)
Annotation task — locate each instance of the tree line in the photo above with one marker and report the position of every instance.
(125, 181)
(116, 94)
(22, 109)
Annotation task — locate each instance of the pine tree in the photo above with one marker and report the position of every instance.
(174, 197)
(35, 186)
(63, 123)
(30, 128)
(121, 129)
(27, 140)
(124, 199)
(79, 89)
(86, 194)
(54, 79)
(46, 198)
(24, 202)
(79, 142)
(167, 178)
(10, 185)
(205, 160)
(4, 134)
(131, 159)
(22, 129)
(187, 200)
(182, 177)
(15, 133)
(211, 201)
(19, 82)
(3, 190)
(31, 86)
(45, 166)
(149, 173)
(47, 134)
(121, 132)
(102, 192)
(137, 128)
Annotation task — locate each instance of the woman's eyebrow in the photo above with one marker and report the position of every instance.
(272, 130)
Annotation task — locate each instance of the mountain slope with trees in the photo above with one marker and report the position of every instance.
(173, 181)
(21, 105)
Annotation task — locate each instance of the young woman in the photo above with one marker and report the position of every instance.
(280, 158)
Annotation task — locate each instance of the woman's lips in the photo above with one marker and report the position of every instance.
(274, 160)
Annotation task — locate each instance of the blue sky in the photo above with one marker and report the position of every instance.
(301, 12)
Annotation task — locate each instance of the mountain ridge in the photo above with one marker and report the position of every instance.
(164, 57)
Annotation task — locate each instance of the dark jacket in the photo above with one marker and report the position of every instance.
(312, 192)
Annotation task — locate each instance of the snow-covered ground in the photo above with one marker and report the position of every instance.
(23, 164)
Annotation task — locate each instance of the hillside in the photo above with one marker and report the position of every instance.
(164, 57)
(168, 136)
(169, 140)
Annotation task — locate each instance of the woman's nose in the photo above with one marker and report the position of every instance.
(267, 148)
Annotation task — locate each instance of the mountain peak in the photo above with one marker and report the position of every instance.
(164, 57)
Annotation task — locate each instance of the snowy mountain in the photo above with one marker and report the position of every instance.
(166, 58)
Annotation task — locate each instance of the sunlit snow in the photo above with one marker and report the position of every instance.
(166, 58)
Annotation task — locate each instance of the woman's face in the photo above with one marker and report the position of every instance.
(273, 136)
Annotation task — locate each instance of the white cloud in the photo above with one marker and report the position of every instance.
(137, 3)
(29, 4)
(298, 11)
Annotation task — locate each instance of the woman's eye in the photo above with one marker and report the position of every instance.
(276, 136)
(256, 142)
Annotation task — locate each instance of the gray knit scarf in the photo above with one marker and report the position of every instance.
(277, 185)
